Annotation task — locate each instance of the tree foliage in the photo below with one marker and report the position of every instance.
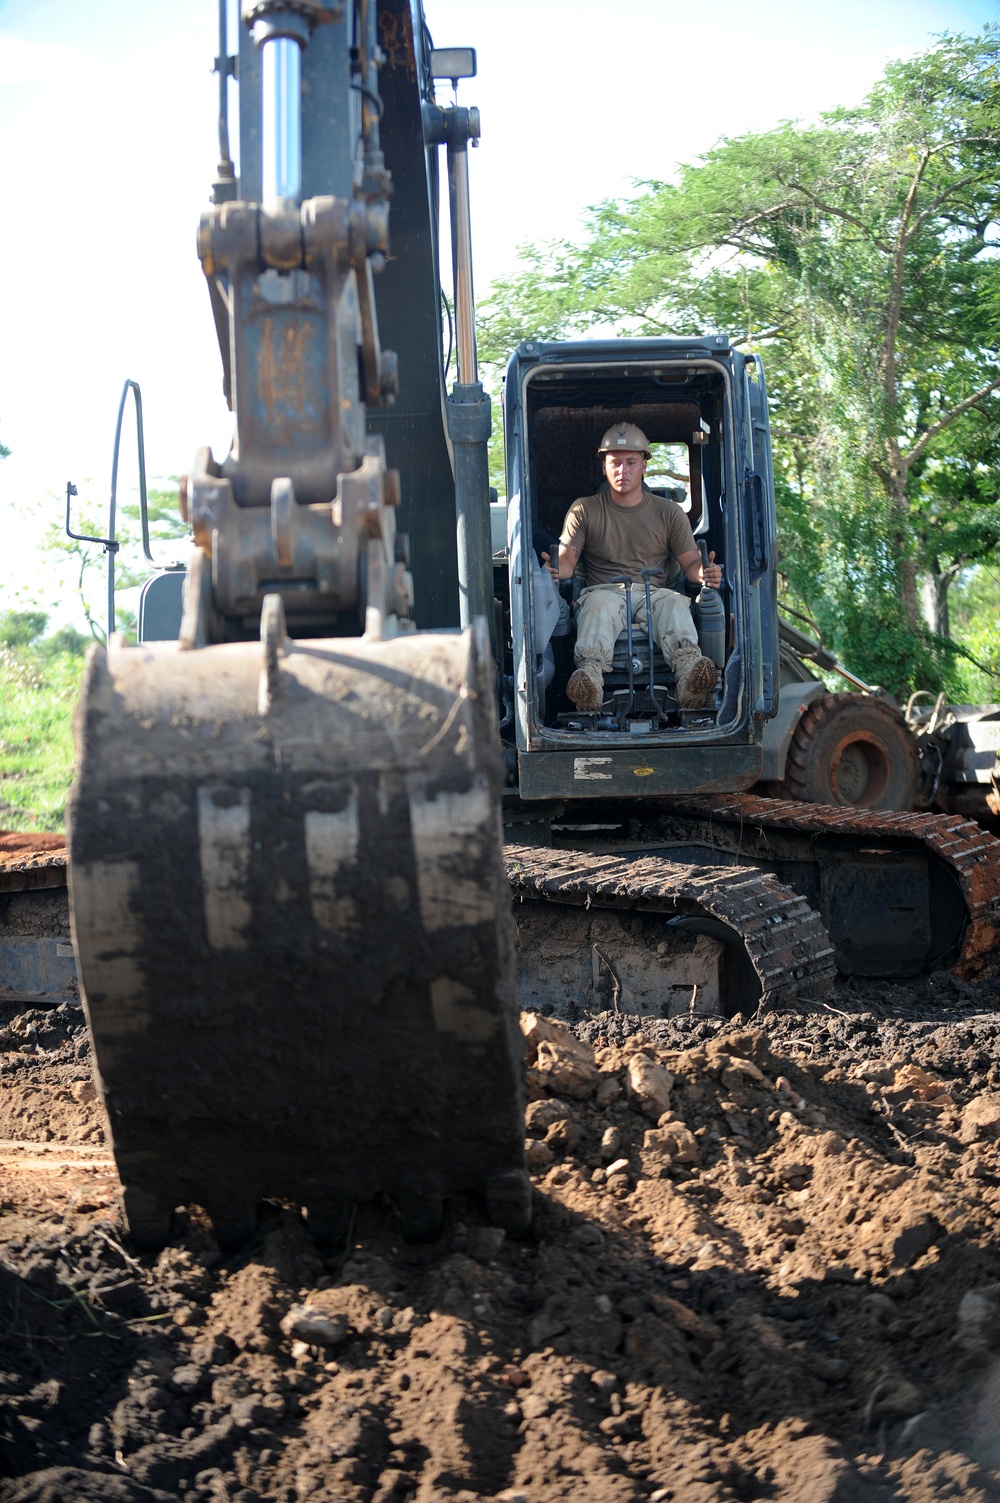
(858, 255)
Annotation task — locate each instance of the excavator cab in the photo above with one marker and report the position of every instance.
(708, 402)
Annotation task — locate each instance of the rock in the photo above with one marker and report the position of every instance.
(315, 1327)
(617, 1166)
(649, 1085)
(608, 1091)
(566, 1066)
(619, 1425)
(605, 1382)
(687, 1320)
(897, 1396)
(981, 1118)
(512, 1495)
(392, 1486)
(534, 1406)
(793, 1173)
(538, 1155)
(540, 1115)
(535, 1029)
(977, 1325)
(213, 1351)
(611, 1143)
(603, 1305)
(564, 1135)
(485, 1242)
(83, 1090)
(913, 1239)
(248, 1411)
(188, 1378)
(910, 1080)
(588, 1236)
(738, 1071)
(672, 1137)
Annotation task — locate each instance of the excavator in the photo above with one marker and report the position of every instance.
(296, 827)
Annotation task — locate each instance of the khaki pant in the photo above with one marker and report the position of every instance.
(600, 620)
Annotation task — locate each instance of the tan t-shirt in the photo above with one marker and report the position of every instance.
(627, 539)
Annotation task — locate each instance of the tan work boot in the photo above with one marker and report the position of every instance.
(586, 689)
(696, 678)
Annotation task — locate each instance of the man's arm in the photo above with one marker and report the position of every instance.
(698, 573)
(568, 557)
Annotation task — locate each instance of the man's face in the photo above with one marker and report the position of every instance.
(624, 469)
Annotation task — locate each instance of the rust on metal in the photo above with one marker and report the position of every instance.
(971, 854)
(30, 860)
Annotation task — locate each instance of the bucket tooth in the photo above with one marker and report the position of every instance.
(420, 1214)
(148, 1217)
(328, 1221)
(508, 1200)
(233, 1217)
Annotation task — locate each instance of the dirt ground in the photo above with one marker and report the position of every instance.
(764, 1265)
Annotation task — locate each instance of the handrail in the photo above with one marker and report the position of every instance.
(110, 544)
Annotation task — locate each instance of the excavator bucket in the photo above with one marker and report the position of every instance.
(293, 930)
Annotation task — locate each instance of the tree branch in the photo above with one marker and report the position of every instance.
(894, 309)
(859, 224)
(949, 417)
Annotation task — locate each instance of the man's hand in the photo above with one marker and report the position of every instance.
(698, 573)
(711, 573)
(548, 564)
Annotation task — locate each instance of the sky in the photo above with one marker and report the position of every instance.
(108, 145)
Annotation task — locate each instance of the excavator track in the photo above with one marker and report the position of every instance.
(917, 890)
(29, 861)
(781, 936)
(36, 955)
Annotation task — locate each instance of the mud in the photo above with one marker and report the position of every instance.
(763, 1266)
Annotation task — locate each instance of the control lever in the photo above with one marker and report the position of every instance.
(626, 580)
(647, 575)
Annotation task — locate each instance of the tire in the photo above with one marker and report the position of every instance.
(855, 751)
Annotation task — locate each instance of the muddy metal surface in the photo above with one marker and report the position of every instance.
(788, 1289)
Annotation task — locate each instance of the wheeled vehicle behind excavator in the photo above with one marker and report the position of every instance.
(290, 910)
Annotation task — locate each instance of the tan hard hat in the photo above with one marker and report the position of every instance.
(625, 436)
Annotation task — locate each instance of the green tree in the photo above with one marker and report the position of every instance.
(19, 628)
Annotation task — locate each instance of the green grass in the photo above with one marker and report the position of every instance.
(38, 691)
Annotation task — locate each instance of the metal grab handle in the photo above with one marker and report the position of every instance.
(110, 544)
